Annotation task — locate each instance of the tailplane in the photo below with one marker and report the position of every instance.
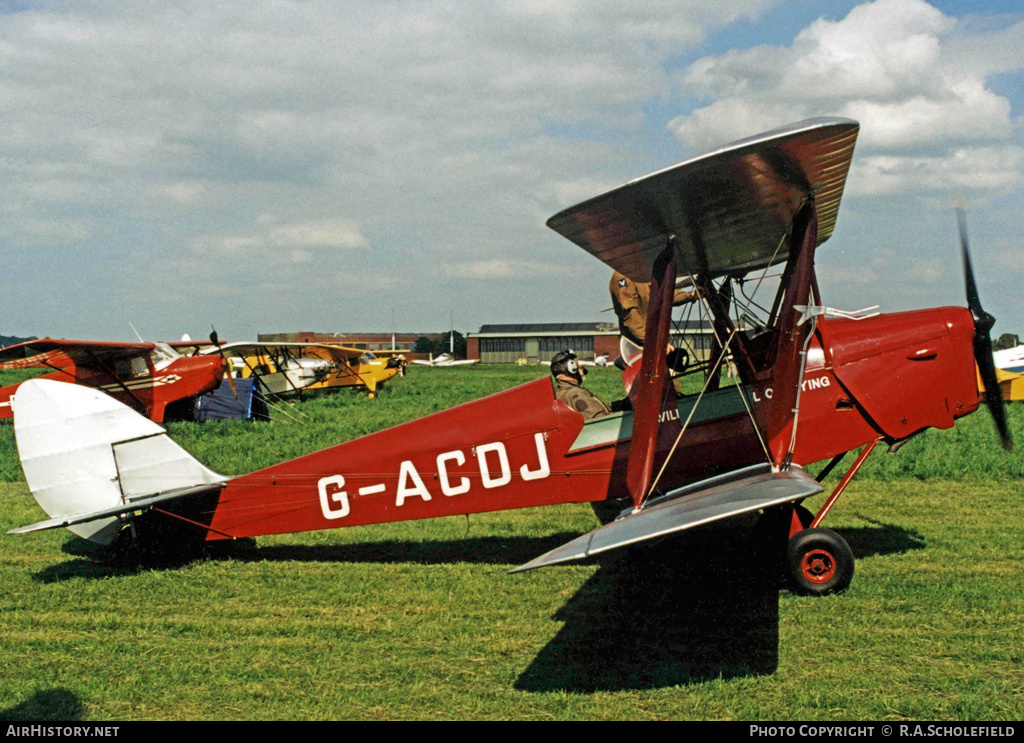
(90, 461)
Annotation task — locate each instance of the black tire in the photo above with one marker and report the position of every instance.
(820, 562)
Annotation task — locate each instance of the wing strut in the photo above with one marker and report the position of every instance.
(781, 415)
(653, 383)
(145, 409)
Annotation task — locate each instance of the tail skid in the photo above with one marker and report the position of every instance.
(89, 460)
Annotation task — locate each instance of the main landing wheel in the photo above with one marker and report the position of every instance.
(820, 562)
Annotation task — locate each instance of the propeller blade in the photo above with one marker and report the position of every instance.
(983, 323)
(230, 377)
(228, 371)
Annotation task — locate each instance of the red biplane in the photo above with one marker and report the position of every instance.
(810, 384)
(145, 376)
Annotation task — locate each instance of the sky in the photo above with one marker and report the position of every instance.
(351, 166)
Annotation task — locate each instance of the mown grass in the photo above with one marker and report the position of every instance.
(420, 620)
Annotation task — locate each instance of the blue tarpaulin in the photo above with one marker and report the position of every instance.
(222, 403)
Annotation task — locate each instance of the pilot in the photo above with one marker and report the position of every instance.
(630, 300)
(568, 374)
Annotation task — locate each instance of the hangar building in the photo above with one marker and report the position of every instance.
(507, 344)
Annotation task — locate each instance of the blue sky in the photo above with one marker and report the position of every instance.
(374, 166)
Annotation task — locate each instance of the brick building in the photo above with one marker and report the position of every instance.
(365, 341)
(362, 341)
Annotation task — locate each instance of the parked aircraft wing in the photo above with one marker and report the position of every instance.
(251, 348)
(729, 209)
(55, 353)
(325, 351)
(748, 489)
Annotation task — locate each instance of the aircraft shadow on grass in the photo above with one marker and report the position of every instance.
(688, 610)
(696, 607)
(92, 561)
(52, 705)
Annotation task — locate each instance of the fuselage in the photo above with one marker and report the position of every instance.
(365, 371)
(281, 375)
(881, 378)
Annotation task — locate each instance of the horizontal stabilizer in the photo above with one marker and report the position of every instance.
(88, 458)
(742, 491)
(138, 504)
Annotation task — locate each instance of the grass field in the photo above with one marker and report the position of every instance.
(420, 620)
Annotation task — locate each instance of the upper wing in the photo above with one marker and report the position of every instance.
(246, 348)
(729, 209)
(339, 354)
(191, 348)
(385, 353)
(60, 353)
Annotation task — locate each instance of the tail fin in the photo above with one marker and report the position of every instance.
(88, 459)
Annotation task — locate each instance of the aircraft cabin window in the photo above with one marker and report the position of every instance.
(139, 366)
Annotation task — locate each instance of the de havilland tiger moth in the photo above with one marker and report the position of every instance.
(810, 385)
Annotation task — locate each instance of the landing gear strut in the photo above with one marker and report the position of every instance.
(816, 561)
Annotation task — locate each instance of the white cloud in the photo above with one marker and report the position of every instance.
(416, 148)
(272, 244)
(900, 68)
(400, 139)
(970, 170)
(504, 269)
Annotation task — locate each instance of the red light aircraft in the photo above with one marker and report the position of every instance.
(811, 384)
(145, 376)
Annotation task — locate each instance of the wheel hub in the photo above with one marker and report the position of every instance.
(818, 566)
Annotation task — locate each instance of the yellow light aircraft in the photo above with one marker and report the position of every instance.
(291, 367)
(1009, 373)
(352, 367)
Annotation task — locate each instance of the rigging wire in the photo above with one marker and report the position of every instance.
(725, 348)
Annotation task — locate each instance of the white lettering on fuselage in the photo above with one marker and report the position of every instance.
(815, 384)
(808, 384)
(669, 415)
(442, 473)
(492, 461)
(331, 492)
(406, 473)
(486, 476)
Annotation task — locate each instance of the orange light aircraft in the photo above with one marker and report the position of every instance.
(146, 377)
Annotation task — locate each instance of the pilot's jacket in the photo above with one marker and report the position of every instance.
(630, 301)
(583, 401)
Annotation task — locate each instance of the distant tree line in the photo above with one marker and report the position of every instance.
(435, 347)
(1006, 340)
(10, 340)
